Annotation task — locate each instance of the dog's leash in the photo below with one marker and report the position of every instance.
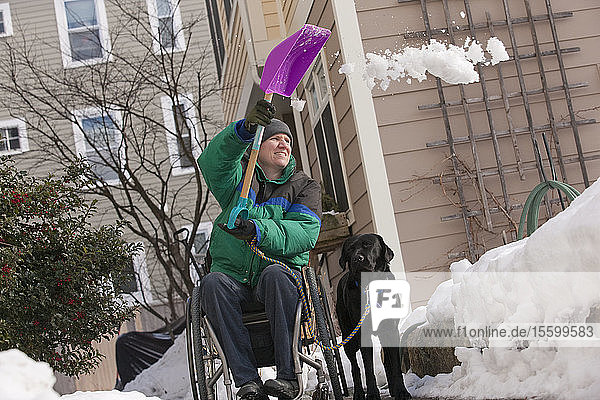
(253, 245)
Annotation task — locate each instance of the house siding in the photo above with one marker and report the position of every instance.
(419, 203)
(38, 17)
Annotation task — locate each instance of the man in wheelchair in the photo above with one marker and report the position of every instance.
(285, 219)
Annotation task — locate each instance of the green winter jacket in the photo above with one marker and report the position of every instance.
(285, 212)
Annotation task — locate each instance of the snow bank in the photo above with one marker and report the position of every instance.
(510, 284)
(453, 64)
(21, 378)
(107, 395)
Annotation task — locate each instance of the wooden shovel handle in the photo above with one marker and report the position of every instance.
(253, 155)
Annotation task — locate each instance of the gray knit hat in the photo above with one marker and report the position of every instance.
(276, 126)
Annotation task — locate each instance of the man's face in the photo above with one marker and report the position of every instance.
(275, 152)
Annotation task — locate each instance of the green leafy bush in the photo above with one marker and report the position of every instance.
(57, 272)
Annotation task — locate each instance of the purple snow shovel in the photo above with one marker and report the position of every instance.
(285, 66)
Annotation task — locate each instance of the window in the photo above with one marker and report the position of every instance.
(138, 285)
(200, 247)
(5, 20)
(180, 121)
(217, 35)
(13, 137)
(165, 21)
(98, 139)
(83, 31)
(325, 137)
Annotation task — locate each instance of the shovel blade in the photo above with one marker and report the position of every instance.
(290, 59)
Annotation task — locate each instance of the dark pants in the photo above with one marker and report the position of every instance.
(223, 299)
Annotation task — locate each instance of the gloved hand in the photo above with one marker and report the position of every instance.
(244, 229)
(261, 113)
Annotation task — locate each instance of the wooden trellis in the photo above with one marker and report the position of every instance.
(460, 174)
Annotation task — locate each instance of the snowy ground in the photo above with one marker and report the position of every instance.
(490, 290)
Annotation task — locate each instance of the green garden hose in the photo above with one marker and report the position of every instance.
(531, 209)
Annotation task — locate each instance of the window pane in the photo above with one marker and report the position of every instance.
(80, 13)
(85, 45)
(13, 132)
(99, 167)
(322, 83)
(130, 285)
(3, 144)
(163, 8)
(101, 143)
(2, 30)
(14, 144)
(314, 96)
(200, 244)
(323, 163)
(100, 132)
(184, 146)
(334, 159)
(165, 32)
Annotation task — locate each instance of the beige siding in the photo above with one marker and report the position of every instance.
(419, 203)
(38, 16)
(236, 66)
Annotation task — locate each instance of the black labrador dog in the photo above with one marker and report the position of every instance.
(367, 253)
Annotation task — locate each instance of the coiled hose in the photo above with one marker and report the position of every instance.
(531, 209)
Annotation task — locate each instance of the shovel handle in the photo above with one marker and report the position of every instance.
(254, 155)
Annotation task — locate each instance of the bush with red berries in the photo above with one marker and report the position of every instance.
(58, 273)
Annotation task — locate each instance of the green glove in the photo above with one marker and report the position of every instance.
(261, 113)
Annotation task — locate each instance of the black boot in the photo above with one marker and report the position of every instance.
(251, 391)
(281, 388)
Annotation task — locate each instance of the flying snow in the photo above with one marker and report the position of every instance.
(451, 63)
(297, 104)
(496, 49)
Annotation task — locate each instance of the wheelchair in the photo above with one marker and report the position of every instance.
(207, 362)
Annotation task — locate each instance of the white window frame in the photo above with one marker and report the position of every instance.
(179, 38)
(63, 35)
(171, 131)
(140, 269)
(80, 146)
(315, 117)
(23, 141)
(206, 228)
(6, 19)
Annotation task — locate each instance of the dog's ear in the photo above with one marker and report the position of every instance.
(344, 254)
(386, 254)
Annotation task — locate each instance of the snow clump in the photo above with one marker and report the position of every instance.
(451, 63)
(297, 104)
(496, 49)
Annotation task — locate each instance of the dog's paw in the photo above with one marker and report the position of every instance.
(373, 396)
(403, 395)
(358, 395)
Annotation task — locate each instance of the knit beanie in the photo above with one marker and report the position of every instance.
(276, 126)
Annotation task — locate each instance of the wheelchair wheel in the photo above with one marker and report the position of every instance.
(323, 333)
(195, 348)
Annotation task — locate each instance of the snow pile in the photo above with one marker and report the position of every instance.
(453, 64)
(511, 284)
(21, 378)
(107, 395)
(168, 378)
(297, 104)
